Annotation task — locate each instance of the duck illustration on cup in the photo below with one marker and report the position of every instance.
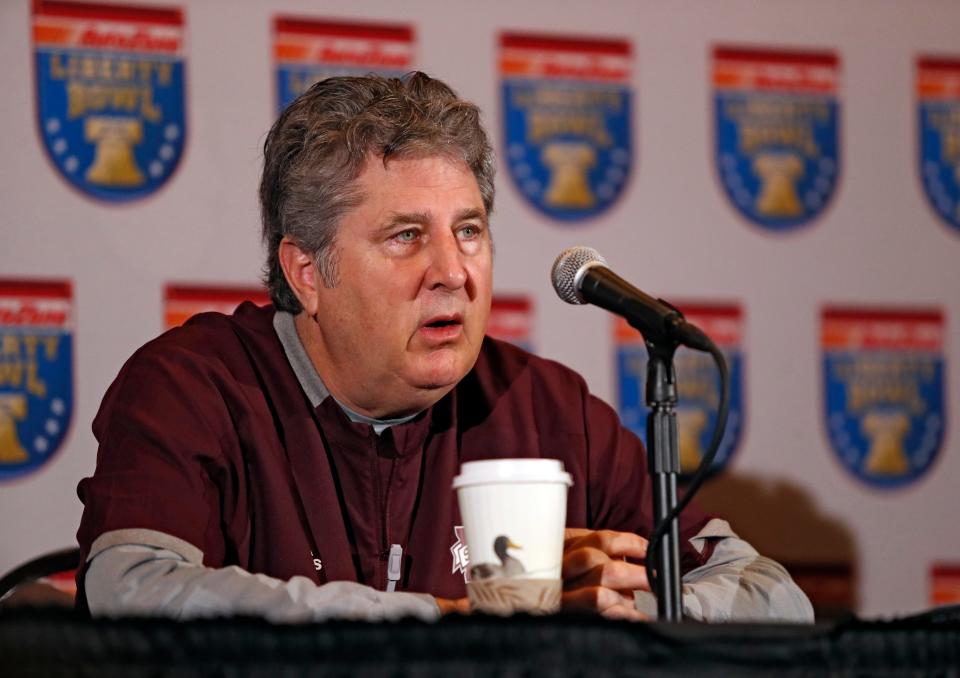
(509, 566)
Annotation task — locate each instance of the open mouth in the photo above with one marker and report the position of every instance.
(436, 324)
(444, 327)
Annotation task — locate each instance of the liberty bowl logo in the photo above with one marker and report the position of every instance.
(110, 95)
(777, 133)
(938, 117)
(566, 112)
(884, 392)
(36, 373)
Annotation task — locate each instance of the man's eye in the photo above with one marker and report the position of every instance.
(406, 236)
(469, 232)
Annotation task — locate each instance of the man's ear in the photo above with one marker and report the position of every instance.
(300, 270)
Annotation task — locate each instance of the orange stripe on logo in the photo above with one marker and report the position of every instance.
(835, 336)
(930, 89)
(726, 78)
(56, 35)
(514, 66)
(290, 52)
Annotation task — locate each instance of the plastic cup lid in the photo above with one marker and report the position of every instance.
(512, 471)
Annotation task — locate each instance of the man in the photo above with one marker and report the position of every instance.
(270, 461)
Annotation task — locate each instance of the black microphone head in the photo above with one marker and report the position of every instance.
(566, 268)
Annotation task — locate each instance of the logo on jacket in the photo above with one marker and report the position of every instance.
(308, 51)
(36, 373)
(884, 391)
(777, 135)
(567, 113)
(461, 556)
(110, 95)
(938, 112)
(698, 384)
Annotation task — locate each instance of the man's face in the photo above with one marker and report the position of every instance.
(405, 322)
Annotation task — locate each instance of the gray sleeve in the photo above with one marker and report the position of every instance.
(146, 579)
(736, 584)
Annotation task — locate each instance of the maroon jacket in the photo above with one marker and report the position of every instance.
(207, 435)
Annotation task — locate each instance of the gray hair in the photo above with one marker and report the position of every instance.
(317, 148)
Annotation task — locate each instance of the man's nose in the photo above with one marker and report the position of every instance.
(446, 267)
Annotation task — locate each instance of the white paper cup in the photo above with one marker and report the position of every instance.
(514, 512)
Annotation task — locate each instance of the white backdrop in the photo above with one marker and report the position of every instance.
(673, 232)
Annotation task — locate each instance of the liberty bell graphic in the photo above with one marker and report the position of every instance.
(886, 431)
(569, 163)
(691, 423)
(13, 408)
(778, 173)
(113, 163)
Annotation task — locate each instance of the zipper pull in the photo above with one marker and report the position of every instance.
(394, 560)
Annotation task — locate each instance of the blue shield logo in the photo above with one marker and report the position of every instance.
(884, 392)
(567, 112)
(938, 117)
(110, 95)
(698, 385)
(777, 134)
(309, 51)
(36, 374)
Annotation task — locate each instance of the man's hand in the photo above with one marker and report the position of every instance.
(598, 573)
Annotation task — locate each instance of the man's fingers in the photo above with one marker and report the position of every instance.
(581, 561)
(623, 576)
(590, 599)
(613, 543)
(588, 567)
(571, 533)
(626, 612)
(608, 603)
(619, 544)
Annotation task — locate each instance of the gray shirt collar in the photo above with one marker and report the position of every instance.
(310, 381)
(306, 373)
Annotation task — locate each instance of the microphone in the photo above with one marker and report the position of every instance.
(580, 276)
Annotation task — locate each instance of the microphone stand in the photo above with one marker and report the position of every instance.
(663, 329)
(663, 459)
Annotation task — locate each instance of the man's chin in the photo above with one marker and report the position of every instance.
(424, 382)
(437, 382)
(442, 374)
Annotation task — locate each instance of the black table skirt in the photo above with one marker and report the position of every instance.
(62, 643)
